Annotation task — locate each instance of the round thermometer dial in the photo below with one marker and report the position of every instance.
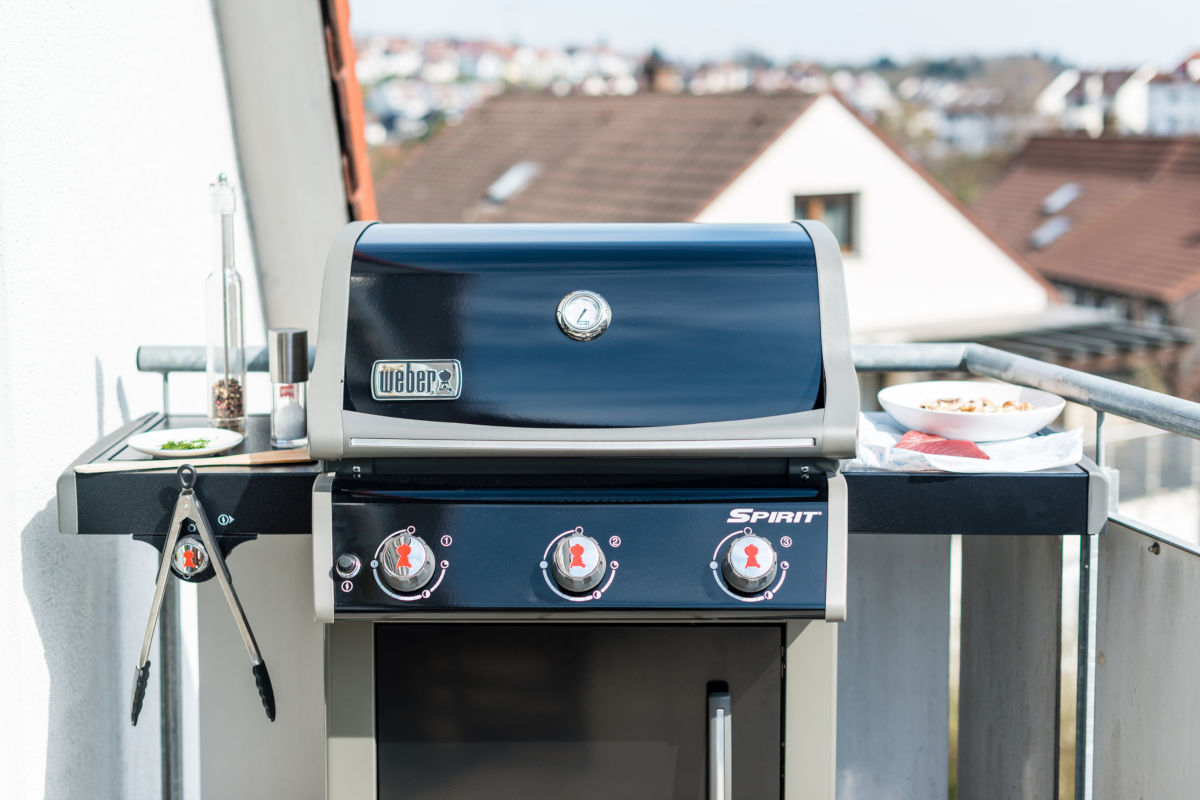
(583, 315)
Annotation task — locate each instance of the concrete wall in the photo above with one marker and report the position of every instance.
(113, 120)
(917, 251)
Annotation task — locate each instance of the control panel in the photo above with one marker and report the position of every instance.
(400, 556)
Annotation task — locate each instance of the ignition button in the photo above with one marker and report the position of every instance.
(348, 565)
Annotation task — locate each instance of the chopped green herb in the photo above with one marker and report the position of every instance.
(185, 444)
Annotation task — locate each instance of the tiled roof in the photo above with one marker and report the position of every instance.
(1135, 226)
(645, 158)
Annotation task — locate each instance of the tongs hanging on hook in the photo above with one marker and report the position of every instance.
(191, 556)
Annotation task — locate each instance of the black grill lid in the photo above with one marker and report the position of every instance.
(709, 323)
(449, 339)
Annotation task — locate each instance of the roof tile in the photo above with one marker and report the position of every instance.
(1135, 226)
(646, 158)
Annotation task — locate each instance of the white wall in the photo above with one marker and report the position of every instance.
(113, 121)
(1173, 108)
(922, 267)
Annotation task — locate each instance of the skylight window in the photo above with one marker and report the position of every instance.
(1049, 232)
(1061, 197)
(512, 182)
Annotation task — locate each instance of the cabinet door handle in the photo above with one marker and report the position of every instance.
(720, 746)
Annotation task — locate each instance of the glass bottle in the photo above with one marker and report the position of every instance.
(226, 350)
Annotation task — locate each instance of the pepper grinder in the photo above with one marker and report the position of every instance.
(287, 360)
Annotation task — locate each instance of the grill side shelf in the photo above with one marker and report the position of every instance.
(269, 500)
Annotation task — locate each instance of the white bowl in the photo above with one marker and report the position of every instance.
(904, 401)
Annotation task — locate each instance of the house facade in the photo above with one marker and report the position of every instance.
(1173, 100)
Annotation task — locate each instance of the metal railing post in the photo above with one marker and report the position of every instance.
(1085, 670)
(1085, 677)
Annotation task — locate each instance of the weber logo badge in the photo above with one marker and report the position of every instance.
(416, 380)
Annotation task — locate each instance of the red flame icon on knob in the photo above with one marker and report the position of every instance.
(751, 551)
(577, 556)
(189, 559)
(402, 551)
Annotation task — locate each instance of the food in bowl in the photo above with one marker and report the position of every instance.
(976, 405)
(907, 404)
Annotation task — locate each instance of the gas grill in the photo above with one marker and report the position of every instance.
(614, 450)
(549, 451)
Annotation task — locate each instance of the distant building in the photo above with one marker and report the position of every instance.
(1173, 102)
(1113, 223)
(1108, 101)
(916, 261)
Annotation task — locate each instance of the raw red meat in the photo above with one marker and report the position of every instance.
(920, 442)
(917, 437)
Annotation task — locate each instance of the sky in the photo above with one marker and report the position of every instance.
(1084, 32)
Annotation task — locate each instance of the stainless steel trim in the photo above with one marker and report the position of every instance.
(839, 425)
(322, 542)
(476, 446)
(810, 697)
(350, 756)
(720, 746)
(837, 547)
(1098, 495)
(803, 429)
(328, 373)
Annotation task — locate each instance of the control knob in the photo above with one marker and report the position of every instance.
(406, 562)
(749, 564)
(578, 563)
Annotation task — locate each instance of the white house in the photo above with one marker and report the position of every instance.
(1112, 101)
(1173, 101)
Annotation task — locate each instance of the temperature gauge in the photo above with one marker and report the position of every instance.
(583, 315)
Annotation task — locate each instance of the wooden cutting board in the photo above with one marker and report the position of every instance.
(298, 456)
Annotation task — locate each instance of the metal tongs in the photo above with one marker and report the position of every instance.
(188, 509)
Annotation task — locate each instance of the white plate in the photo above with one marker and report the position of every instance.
(904, 401)
(151, 442)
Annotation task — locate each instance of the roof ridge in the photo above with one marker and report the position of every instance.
(809, 101)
